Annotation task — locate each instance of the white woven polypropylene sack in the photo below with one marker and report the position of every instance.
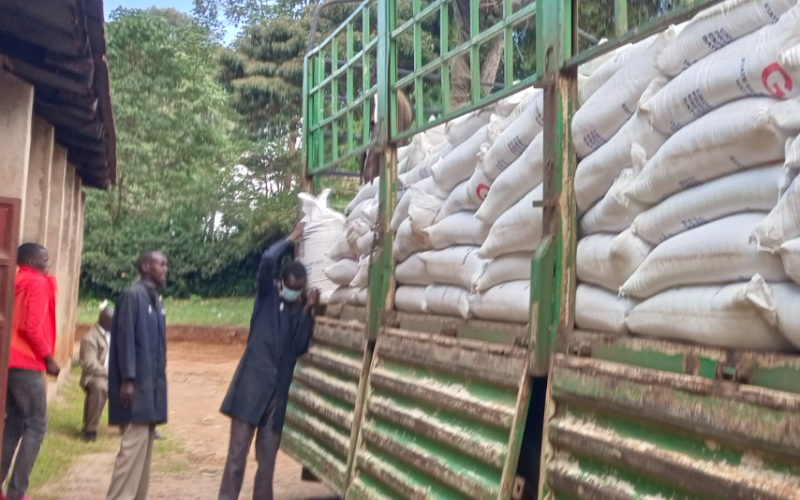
(511, 267)
(412, 272)
(364, 243)
(740, 135)
(458, 266)
(517, 230)
(360, 297)
(410, 299)
(717, 252)
(463, 128)
(608, 69)
(342, 249)
(342, 272)
(764, 63)
(361, 279)
(426, 186)
(419, 150)
(514, 182)
(403, 152)
(342, 295)
(756, 189)
(783, 222)
(596, 173)
(603, 114)
(324, 226)
(355, 231)
(509, 302)
(506, 107)
(421, 171)
(601, 310)
(738, 316)
(423, 210)
(615, 212)
(366, 192)
(436, 135)
(717, 27)
(459, 165)
(458, 201)
(366, 211)
(790, 257)
(515, 138)
(461, 228)
(608, 260)
(786, 297)
(406, 242)
(447, 301)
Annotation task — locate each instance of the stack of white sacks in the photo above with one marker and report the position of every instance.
(685, 146)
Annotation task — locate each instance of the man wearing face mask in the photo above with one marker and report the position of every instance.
(280, 331)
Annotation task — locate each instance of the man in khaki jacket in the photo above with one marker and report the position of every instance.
(94, 372)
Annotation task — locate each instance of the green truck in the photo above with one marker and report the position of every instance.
(390, 405)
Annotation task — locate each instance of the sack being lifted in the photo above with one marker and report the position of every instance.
(323, 229)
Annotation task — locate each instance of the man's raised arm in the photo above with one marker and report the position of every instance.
(269, 260)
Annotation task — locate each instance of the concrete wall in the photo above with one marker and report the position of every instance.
(34, 169)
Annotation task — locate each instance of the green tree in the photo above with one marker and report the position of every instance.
(178, 188)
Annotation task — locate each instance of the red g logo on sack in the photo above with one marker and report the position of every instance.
(482, 191)
(776, 80)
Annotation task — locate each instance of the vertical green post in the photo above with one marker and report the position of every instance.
(306, 151)
(365, 68)
(508, 41)
(444, 48)
(475, 51)
(335, 96)
(419, 100)
(381, 271)
(621, 16)
(320, 134)
(350, 90)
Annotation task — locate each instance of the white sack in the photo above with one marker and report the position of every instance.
(403, 152)
(458, 266)
(360, 297)
(505, 107)
(600, 310)
(790, 256)
(463, 128)
(412, 272)
(517, 230)
(716, 27)
(603, 114)
(361, 279)
(423, 210)
(608, 260)
(718, 252)
(342, 272)
(740, 135)
(509, 302)
(425, 186)
(364, 243)
(421, 171)
(514, 182)
(365, 192)
(751, 190)
(342, 249)
(515, 138)
(355, 231)
(436, 135)
(764, 63)
(615, 212)
(324, 227)
(608, 69)
(461, 228)
(458, 201)
(406, 242)
(459, 165)
(400, 211)
(787, 297)
(419, 150)
(343, 295)
(410, 299)
(596, 173)
(738, 316)
(402, 165)
(511, 267)
(447, 301)
(366, 211)
(783, 222)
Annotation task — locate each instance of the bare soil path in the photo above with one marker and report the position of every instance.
(188, 466)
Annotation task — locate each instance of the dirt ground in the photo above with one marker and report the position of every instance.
(191, 467)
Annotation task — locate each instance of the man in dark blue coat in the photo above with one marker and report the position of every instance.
(280, 331)
(137, 376)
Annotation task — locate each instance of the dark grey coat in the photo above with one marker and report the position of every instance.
(279, 333)
(138, 352)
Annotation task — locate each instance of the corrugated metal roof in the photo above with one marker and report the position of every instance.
(59, 46)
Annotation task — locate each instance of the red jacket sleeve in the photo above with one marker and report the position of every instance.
(32, 325)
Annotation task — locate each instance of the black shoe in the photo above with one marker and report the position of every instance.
(160, 437)
(90, 437)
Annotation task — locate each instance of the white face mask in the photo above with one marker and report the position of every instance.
(290, 295)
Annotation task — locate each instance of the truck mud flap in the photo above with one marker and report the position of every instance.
(632, 418)
(323, 400)
(443, 418)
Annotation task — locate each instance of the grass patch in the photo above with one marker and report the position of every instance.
(195, 311)
(63, 443)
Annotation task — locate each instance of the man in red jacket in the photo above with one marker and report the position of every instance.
(33, 339)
